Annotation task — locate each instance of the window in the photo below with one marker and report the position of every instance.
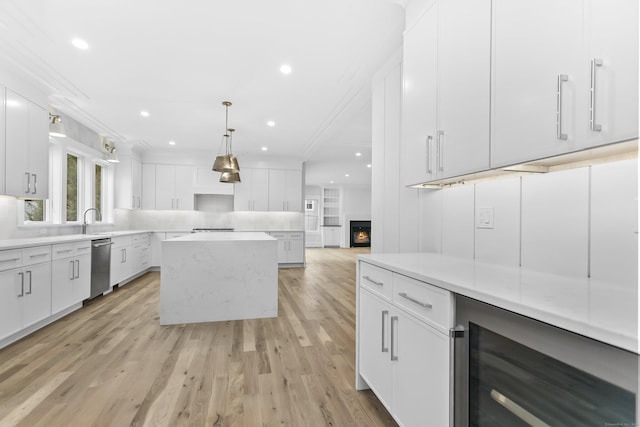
(98, 189)
(72, 188)
(35, 210)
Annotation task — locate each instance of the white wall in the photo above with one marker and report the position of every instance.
(579, 222)
(356, 206)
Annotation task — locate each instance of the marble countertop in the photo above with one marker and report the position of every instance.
(53, 240)
(222, 236)
(604, 311)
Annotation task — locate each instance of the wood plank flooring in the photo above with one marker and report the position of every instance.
(112, 364)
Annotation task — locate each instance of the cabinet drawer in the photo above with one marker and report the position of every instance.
(83, 248)
(63, 250)
(376, 279)
(36, 255)
(121, 241)
(430, 303)
(10, 259)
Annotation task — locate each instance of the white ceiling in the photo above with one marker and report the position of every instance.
(179, 60)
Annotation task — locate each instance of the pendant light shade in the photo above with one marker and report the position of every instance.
(230, 177)
(227, 163)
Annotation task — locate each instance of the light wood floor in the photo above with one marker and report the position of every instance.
(112, 364)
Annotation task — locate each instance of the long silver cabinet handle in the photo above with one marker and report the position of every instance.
(97, 245)
(394, 355)
(369, 279)
(28, 190)
(595, 62)
(429, 141)
(441, 150)
(72, 271)
(21, 285)
(385, 313)
(30, 285)
(420, 303)
(77, 269)
(561, 79)
(35, 183)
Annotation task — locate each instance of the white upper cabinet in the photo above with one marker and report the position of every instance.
(27, 148)
(128, 179)
(148, 186)
(464, 64)
(252, 193)
(613, 61)
(419, 102)
(285, 190)
(537, 70)
(446, 77)
(174, 187)
(565, 77)
(2, 139)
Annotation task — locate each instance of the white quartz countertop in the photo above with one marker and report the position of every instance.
(604, 311)
(223, 236)
(53, 240)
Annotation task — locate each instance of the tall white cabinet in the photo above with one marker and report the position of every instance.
(252, 194)
(174, 187)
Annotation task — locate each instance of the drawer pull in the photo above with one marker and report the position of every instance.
(10, 260)
(420, 303)
(369, 279)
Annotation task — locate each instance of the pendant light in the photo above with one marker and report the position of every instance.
(228, 176)
(227, 162)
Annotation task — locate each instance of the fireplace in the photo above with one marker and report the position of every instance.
(360, 234)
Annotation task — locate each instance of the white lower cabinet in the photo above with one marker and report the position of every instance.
(70, 275)
(290, 247)
(121, 259)
(404, 355)
(141, 252)
(25, 292)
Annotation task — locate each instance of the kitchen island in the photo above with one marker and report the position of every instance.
(208, 277)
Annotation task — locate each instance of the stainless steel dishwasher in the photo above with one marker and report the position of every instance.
(100, 266)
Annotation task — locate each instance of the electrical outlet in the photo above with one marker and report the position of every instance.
(484, 217)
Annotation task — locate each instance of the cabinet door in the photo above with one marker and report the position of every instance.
(420, 373)
(260, 189)
(464, 64)
(613, 40)
(18, 178)
(419, 102)
(3, 188)
(295, 252)
(184, 179)
(165, 187)
(374, 344)
(533, 44)
(293, 196)
(136, 184)
(242, 191)
(37, 300)
(38, 150)
(82, 278)
(148, 186)
(277, 190)
(10, 302)
(62, 278)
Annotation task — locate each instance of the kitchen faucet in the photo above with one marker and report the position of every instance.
(84, 224)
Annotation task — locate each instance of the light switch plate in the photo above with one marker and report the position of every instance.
(484, 217)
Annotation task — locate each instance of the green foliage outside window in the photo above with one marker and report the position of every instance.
(98, 188)
(72, 188)
(34, 210)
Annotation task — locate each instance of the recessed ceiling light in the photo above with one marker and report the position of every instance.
(347, 175)
(285, 69)
(144, 113)
(369, 165)
(172, 143)
(80, 44)
(330, 182)
(264, 148)
(271, 123)
(358, 154)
